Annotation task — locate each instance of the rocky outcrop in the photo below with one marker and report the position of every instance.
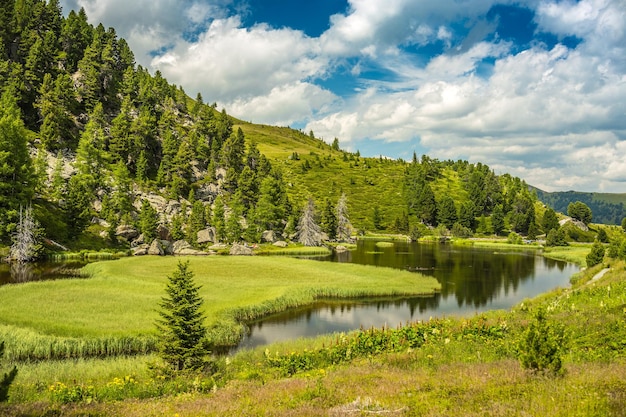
(206, 236)
(582, 226)
(240, 250)
(269, 236)
(140, 250)
(156, 248)
(126, 232)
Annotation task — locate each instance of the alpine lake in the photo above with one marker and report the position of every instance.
(472, 280)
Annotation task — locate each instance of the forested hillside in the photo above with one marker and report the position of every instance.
(606, 208)
(96, 144)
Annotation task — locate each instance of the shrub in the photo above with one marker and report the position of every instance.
(596, 255)
(514, 239)
(541, 346)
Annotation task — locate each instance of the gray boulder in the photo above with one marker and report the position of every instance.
(191, 252)
(126, 232)
(269, 236)
(140, 250)
(240, 250)
(280, 244)
(180, 245)
(163, 232)
(206, 235)
(156, 248)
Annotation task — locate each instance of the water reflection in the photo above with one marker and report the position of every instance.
(16, 272)
(472, 281)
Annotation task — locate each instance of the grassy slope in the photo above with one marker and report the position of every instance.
(366, 181)
(121, 297)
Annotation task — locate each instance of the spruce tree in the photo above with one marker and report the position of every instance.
(16, 173)
(183, 344)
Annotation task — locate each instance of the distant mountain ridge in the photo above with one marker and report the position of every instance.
(607, 208)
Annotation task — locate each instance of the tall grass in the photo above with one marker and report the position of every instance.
(114, 311)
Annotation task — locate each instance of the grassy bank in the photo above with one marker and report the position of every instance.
(114, 311)
(442, 367)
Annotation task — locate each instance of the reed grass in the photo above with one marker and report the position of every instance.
(114, 311)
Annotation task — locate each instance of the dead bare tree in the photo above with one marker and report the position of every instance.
(344, 227)
(24, 247)
(309, 232)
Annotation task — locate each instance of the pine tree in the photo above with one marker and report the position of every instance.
(16, 179)
(183, 344)
(329, 220)
(148, 221)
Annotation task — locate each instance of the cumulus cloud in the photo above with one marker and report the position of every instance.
(553, 115)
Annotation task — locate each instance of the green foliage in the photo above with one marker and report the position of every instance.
(16, 180)
(556, 237)
(182, 332)
(541, 346)
(148, 220)
(7, 379)
(596, 255)
(579, 211)
(514, 239)
(549, 220)
(602, 236)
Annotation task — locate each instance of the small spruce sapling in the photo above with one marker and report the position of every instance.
(183, 343)
(541, 346)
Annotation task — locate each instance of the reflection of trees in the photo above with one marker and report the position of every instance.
(21, 272)
(475, 277)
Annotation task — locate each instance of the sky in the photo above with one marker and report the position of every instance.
(533, 88)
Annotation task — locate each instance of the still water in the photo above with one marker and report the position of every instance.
(472, 280)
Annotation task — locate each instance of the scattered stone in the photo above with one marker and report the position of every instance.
(179, 246)
(206, 235)
(141, 250)
(191, 252)
(218, 246)
(163, 232)
(280, 244)
(138, 242)
(167, 247)
(269, 236)
(126, 232)
(240, 250)
(156, 248)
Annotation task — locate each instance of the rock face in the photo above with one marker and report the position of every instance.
(163, 232)
(141, 250)
(269, 236)
(156, 248)
(206, 235)
(126, 232)
(240, 250)
(582, 226)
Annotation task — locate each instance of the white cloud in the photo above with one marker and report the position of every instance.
(556, 117)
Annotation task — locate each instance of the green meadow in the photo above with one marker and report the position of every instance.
(114, 311)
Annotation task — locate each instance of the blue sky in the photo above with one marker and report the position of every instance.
(534, 88)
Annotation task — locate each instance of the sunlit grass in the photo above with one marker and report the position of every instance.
(118, 305)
